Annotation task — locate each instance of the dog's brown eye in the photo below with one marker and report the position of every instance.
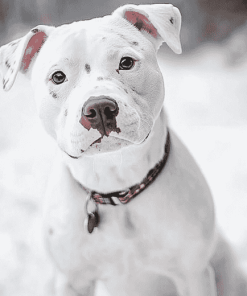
(126, 63)
(58, 77)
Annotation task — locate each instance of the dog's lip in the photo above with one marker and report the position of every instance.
(146, 137)
(74, 157)
(97, 141)
(100, 138)
(110, 136)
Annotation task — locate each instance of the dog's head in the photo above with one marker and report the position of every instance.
(97, 83)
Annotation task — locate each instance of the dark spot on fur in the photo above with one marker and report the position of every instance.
(12, 70)
(172, 20)
(96, 87)
(66, 112)
(51, 231)
(104, 38)
(82, 151)
(139, 24)
(126, 38)
(87, 68)
(54, 95)
(100, 78)
(126, 90)
(34, 31)
(4, 83)
(117, 71)
(7, 64)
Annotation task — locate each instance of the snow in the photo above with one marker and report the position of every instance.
(207, 107)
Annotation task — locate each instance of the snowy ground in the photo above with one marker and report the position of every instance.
(206, 101)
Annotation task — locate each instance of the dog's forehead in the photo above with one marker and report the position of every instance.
(85, 37)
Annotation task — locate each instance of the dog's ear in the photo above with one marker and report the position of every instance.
(17, 55)
(161, 21)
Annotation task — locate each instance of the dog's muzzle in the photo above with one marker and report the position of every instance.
(100, 113)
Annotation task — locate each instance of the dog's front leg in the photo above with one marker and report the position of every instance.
(196, 283)
(68, 243)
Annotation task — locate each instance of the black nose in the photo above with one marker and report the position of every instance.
(100, 113)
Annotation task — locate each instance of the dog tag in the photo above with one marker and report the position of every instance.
(92, 221)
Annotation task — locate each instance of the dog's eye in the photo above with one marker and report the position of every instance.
(126, 63)
(58, 77)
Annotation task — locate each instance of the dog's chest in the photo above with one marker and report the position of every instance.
(125, 241)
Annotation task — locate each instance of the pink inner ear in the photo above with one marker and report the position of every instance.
(33, 46)
(141, 22)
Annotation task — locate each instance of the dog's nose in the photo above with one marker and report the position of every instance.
(94, 108)
(100, 113)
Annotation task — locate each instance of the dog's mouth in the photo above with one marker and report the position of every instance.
(82, 151)
(99, 141)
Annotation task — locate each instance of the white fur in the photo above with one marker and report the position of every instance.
(162, 242)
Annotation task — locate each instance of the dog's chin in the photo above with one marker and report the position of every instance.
(105, 145)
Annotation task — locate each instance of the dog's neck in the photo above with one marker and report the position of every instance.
(116, 171)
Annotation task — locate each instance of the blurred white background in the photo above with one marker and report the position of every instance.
(206, 101)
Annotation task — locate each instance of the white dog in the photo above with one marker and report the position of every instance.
(126, 203)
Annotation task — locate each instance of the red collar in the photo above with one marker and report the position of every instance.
(123, 197)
